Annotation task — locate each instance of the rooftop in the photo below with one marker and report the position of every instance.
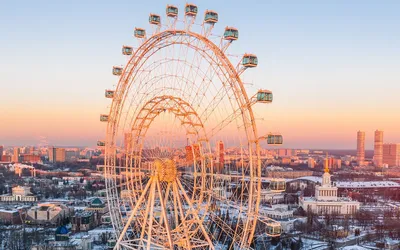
(339, 200)
(366, 184)
(83, 214)
(307, 178)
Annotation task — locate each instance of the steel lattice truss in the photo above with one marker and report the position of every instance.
(178, 98)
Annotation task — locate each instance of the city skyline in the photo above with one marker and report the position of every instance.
(73, 46)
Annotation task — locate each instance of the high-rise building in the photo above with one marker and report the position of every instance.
(220, 152)
(284, 152)
(56, 154)
(127, 142)
(378, 148)
(5, 158)
(30, 158)
(334, 163)
(311, 162)
(1, 151)
(52, 154)
(391, 154)
(15, 157)
(360, 148)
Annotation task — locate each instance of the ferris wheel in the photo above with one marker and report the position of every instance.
(182, 154)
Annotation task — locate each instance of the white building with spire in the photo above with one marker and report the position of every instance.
(326, 200)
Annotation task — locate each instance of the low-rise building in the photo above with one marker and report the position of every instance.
(289, 173)
(9, 216)
(83, 221)
(280, 213)
(19, 194)
(48, 213)
(97, 205)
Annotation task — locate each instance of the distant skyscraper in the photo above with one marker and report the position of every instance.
(391, 154)
(311, 162)
(378, 148)
(15, 157)
(360, 148)
(1, 151)
(284, 152)
(221, 152)
(334, 163)
(56, 154)
(127, 142)
(52, 154)
(220, 155)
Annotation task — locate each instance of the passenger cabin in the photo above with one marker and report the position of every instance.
(274, 229)
(101, 143)
(278, 185)
(154, 19)
(264, 96)
(117, 71)
(210, 17)
(109, 93)
(275, 139)
(190, 10)
(104, 118)
(249, 61)
(140, 33)
(127, 50)
(172, 11)
(231, 34)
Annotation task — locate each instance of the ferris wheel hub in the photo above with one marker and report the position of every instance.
(165, 170)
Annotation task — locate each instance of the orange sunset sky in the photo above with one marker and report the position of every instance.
(333, 68)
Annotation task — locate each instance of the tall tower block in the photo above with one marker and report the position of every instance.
(220, 156)
(360, 148)
(378, 148)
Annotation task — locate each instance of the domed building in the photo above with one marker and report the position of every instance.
(62, 233)
(326, 200)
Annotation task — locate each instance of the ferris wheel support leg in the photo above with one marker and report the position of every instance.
(152, 199)
(141, 198)
(164, 215)
(175, 208)
(146, 215)
(180, 207)
(196, 215)
(165, 200)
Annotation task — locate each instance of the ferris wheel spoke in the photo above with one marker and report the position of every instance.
(197, 100)
(219, 96)
(198, 58)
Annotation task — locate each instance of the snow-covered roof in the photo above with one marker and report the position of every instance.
(307, 178)
(366, 184)
(355, 247)
(8, 211)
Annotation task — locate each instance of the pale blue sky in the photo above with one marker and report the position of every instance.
(333, 65)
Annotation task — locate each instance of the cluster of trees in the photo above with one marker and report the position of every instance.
(21, 238)
(334, 226)
(350, 176)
